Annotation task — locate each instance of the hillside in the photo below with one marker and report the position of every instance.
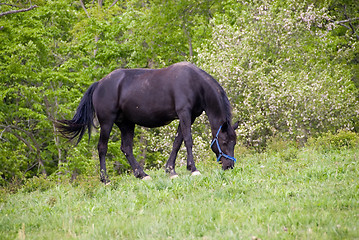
(291, 194)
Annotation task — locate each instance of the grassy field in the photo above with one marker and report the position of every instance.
(294, 194)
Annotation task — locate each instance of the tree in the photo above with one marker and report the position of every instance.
(29, 55)
(346, 15)
(280, 64)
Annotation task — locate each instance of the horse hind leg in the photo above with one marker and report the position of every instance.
(127, 134)
(102, 150)
(170, 165)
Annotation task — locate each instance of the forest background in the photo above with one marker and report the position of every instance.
(290, 69)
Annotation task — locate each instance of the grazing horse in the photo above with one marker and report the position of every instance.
(153, 98)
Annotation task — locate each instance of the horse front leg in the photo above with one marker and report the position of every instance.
(127, 134)
(185, 124)
(171, 162)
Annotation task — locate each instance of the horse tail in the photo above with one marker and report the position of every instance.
(82, 120)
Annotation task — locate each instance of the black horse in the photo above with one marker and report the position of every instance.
(154, 98)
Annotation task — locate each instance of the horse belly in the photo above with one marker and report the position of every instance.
(150, 119)
(149, 113)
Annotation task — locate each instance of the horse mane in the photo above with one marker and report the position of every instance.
(225, 101)
(226, 105)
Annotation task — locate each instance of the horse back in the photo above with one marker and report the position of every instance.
(150, 97)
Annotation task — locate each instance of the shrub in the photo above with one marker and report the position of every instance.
(343, 139)
(37, 183)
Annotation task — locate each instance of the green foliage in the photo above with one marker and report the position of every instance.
(29, 88)
(290, 70)
(341, 140)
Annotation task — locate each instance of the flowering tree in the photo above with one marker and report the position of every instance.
(281, 68)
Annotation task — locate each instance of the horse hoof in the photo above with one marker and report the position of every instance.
(196, 173)
(147, 178)
(174, 176)
(108, 184)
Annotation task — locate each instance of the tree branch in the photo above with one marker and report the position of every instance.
(113, 4)
(35, 147)
(350, 27)
(17, 11)
(348, 20)
(83, 6)
(31, 167)
(100, 2)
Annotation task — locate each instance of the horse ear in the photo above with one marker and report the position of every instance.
(235, 125)
(226, 124)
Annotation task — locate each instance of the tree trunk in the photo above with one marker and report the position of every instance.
(51, 111)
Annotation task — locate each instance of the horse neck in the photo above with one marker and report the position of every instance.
(216, 111)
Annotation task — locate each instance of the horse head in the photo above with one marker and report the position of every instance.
(223, 145)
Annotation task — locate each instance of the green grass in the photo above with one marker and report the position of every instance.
(304, 194)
